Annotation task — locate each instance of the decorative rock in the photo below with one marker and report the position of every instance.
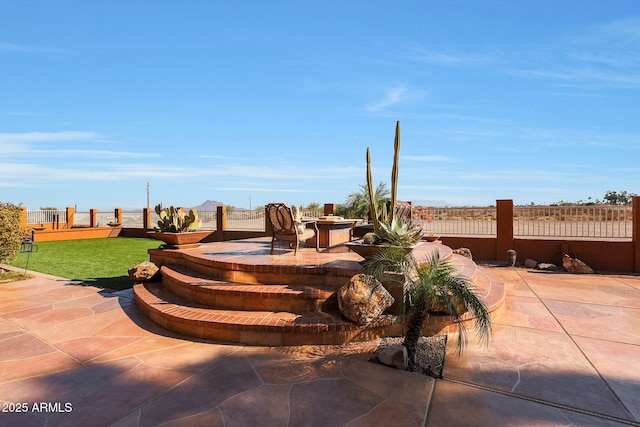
(363, 299)
(465, 252)
(547, 267)
(530, 263)
(395, 355)
(574, 265)
(144, 272)
(370, 239)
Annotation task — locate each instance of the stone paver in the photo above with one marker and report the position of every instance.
(565, 351)
(561, 341)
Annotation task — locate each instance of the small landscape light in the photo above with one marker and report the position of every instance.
(27, 247)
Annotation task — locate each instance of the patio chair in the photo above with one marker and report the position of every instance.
(286, 226)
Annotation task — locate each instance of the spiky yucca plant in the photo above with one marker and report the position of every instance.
(399, 232)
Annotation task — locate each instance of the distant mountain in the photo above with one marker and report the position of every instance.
(208, 206)
(432, 203)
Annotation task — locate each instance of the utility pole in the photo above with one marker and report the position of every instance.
(148, 205)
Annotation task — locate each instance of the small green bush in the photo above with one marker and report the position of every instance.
(11, 231)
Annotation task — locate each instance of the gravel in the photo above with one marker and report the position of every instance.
(430, 353)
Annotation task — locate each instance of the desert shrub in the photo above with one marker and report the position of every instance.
(11, 231)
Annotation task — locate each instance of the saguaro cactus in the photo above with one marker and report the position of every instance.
(394, 172)
(373, 209)
(387, 215)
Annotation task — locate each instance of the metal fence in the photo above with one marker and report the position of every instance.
(83, 219)
(236, 219)
(208, 219)
(254, 220)
(104, 218)
(604, 221)
(456, 221)
(45, 216)
(245, 220)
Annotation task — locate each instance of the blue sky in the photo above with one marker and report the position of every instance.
(252, 102)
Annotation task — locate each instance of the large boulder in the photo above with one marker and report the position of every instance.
(574, 265)
(144, 272)
(363, 299)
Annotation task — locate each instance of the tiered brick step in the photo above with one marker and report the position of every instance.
(197, 288)
(250, 262)
(237, 292)
(252, 327)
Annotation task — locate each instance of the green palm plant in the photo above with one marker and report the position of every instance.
(357, 203)
(429, 285)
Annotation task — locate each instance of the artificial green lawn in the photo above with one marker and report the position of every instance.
(99, 262)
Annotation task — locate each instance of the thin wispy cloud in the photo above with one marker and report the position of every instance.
(110, 171)
(622, 32)
(436, 158)
(418, 53)
(13, 47)
(6, 47)
(603, 56)
(541, 175)
(574, 94)
(272, 190)
(392, 97)
(95, 154)
(426, 188)
(48, 145)
(517, 137)
(581, 76)
(32, 173)
(7, 138)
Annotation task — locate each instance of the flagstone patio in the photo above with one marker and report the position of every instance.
(566, 350)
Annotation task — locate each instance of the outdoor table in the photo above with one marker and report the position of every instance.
(333, 230)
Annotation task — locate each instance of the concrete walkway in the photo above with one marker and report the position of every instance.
(566, 351)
